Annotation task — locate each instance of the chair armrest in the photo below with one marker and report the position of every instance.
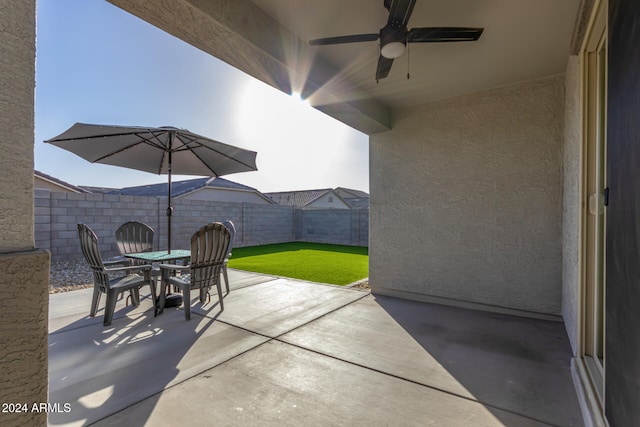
(129, 268)
(174, 267)
(117, 260)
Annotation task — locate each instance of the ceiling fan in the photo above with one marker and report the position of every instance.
(394, 36)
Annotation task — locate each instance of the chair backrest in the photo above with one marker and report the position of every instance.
(134, 237)
(232, 231)
(209, 247)
(91, 252)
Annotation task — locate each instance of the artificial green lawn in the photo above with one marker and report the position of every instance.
(316, 262)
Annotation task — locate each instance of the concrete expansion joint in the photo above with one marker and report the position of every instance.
(418, 383)
(278, 339)
(269, 340)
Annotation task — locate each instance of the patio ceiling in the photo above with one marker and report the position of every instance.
(523, 40)
(268, 39)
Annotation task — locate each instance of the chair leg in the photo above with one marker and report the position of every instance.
(205, 297)
(219, 286)
(226, 276)
(161, 298)
(95, 300)
(112, 297)
(186, 302)
(135, 296)
(154, 298)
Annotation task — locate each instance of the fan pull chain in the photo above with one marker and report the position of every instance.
(379, 53)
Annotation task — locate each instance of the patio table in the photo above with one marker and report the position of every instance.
(161, 256)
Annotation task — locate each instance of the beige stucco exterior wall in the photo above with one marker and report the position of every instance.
(17, 68)
(25, 271)
(42, 184)
(24, 310)
(328, 201)
(466, 200)
(571, 202)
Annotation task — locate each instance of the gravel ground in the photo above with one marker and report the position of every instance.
(69, 276)
(360, 284)
(363, 285)
(72, 275)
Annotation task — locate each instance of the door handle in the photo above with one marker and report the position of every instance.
(597, 203)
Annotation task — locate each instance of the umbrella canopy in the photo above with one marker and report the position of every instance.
(162, 150)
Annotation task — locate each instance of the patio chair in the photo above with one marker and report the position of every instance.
(209, 247)
(103, 280)
(232, 231)
(135, 237)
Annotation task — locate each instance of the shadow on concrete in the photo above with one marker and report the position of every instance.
(101, 370)
(507, 363)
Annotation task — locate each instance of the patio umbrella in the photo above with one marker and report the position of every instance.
(162, 150)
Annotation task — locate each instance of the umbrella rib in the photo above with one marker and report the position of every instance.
(143, 140)
(189, 143)
(156, 135)
(195, 141)
(81, 138)
(185, 147)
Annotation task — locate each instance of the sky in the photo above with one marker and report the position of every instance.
(96, 63)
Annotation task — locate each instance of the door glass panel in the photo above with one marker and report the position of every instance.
(602, 161)
(594, 211)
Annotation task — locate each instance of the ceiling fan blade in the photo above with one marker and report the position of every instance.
(443, 34)
(384, 66)
(399, 12)
(345, 39)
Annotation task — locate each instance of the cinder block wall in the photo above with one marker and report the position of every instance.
(338, 226)
(57, 216)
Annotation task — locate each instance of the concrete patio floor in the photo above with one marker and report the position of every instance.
(289, 352)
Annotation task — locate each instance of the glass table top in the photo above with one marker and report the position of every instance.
(161, 255)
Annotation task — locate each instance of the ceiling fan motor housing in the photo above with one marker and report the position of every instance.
(393, 41)
(394, 36)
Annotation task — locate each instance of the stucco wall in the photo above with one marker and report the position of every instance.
(571, 203)
(42, 184)
(17, 68)
(466, 199)
(25, 271)
(24, 315)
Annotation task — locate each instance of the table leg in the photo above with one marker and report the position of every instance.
(164, 280)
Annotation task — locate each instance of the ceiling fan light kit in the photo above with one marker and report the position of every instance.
(393, 41)
(394, 36)
(393, 50)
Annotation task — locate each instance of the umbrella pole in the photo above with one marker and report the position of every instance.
(169, 207)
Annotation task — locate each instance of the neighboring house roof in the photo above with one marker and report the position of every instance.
(64, 186)
(354, 199)
(349, 193)
(357, 202)
(95, 190)
(181, 188)
(297, 198)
